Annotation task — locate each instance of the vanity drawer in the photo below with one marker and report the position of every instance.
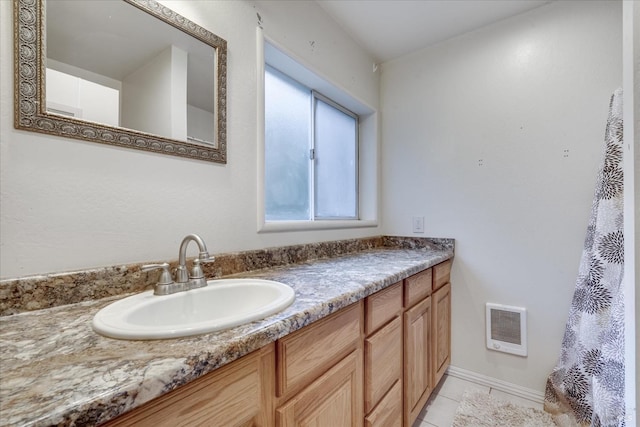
(381, 307)
(441, 274)
(388, 413)
(417, 287)
(308, 353)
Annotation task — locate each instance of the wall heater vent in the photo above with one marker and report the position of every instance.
(507, 329)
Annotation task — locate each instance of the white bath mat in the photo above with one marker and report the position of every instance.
(479, 409)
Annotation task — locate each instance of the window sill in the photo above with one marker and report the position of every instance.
(276, 226)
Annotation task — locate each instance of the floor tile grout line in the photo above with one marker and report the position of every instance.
(430, 400)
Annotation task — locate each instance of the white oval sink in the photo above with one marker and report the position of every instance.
(222, 304)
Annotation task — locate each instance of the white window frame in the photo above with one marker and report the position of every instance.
(367, 169)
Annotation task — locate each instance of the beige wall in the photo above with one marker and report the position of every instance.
(495, 137)
(66, 204)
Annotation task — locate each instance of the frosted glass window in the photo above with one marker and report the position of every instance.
(311, 155)
(335, 161)
(287, 147)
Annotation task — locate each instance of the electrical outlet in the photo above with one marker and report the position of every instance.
(418, 224)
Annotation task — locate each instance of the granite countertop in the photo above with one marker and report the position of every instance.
(55, 370)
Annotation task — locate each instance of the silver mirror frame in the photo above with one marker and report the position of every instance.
(29, 88)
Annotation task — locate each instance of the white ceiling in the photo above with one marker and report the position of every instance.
(391, 28)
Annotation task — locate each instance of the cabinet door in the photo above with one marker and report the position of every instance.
(382, 362)
(442, 331)
(239, 394)
(334, 399)
(417, 359)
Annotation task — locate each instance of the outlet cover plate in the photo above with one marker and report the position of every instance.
(418, 224)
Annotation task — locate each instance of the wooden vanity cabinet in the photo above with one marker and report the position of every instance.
(383, 358)
(373, 363)
(427, 335)
(238, 394)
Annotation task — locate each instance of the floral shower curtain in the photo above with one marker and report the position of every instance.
(586, 388)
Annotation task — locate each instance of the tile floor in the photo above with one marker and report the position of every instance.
(441, 406)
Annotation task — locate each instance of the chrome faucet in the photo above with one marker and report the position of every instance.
(184, 281)
(196, 278)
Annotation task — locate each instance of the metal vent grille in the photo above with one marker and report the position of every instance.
(506, 329)
(505, 326)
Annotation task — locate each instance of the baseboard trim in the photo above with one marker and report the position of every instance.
(507, 387)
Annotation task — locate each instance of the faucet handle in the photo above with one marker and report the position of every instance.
(165, 276)
(196, 270)
(165, 285)
(196, 278)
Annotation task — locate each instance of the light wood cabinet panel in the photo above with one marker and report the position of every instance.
(383, 362)
(441, 274)
(239, 394)
(442, 331)
(388, 413)
(417, 287)
(417, 359)
(305, 354)
(381, 307)
(334, 399)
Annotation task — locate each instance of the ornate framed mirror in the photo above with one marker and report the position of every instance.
(129, 73)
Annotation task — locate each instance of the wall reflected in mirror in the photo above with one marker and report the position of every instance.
(121, 72)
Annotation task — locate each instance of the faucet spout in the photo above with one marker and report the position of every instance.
(204, 254)
(197, 277)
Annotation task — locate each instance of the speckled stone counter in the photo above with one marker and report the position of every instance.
(55, 370)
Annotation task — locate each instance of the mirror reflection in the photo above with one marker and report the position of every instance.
(122, 72)
(112, 63)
